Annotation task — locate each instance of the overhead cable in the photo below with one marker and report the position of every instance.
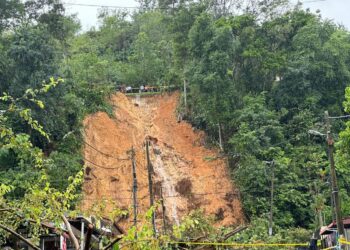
(105, 154)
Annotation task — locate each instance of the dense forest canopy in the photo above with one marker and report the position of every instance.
(259, 75)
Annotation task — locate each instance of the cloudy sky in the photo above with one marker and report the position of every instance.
(337, 10)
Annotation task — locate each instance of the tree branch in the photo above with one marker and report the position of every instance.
(235, 231)
(70, 232)
(119, 237)
(19, 237)
(42, 223)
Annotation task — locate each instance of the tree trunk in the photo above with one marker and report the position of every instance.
(70, 232)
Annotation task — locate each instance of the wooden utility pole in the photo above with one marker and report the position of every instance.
(134, 188)
(335, 191)
(220, 137)
(271, 196)
(150, 186)
(163, 209)
(185, 94)
(82, 235)
(88, 237)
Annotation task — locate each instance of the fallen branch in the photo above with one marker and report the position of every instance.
(119, 237)
(5, 209)
(235, 231)
(70, 232)
(42, 223)
(119, 228)
(17, 235)
(223, 239)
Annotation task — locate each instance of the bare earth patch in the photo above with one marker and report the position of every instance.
(178, 157)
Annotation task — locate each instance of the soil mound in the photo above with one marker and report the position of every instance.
(190, 175)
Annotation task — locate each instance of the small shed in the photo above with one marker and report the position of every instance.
(329, 233)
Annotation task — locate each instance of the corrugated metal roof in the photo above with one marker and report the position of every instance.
(330, 228)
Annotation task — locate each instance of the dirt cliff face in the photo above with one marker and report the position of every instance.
(190, 175)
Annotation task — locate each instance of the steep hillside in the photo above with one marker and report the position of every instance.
(191, 175)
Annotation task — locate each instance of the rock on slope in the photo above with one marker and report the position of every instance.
(190, 175)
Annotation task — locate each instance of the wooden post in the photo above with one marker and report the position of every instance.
(134, 188)
(185, 95)
(163, 209)
(88, 237)
(82, 235)
(150, 186)
(220, 137)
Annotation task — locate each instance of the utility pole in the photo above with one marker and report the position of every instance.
(335, 191)
(272, 189)
(271, 196)
(82, 235)
(134, 188)
(220, 138)
(163, 208)
(150, 186)
(185, 95)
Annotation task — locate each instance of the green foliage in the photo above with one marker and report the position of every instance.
(194, 226)
(264, 77)
(257, 232)
(266, 83)
(343, 158)
(39, 201)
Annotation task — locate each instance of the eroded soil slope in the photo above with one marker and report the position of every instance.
(190, 175)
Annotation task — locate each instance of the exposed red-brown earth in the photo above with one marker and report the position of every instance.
(191, 175)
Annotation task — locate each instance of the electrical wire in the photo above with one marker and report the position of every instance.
(101, 6)
(105, 154)
(99, 166)
(142, 198)
(167, 196)
(199, 194)
(139, 7)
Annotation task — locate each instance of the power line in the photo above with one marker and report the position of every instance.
(142, 198)
(99, 166)
(105, 154)
(102, 6)
(199, 194)
(153, 8)
(164, 196)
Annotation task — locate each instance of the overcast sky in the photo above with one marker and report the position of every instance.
(337, 10)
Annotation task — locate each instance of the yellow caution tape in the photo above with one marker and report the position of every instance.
(226, 244)
(344, 241)
(241, 244)
(329, 248)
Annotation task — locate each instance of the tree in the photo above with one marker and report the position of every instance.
(40, 202)
(11, 11)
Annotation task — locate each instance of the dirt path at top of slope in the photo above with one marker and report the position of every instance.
(178, 156)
